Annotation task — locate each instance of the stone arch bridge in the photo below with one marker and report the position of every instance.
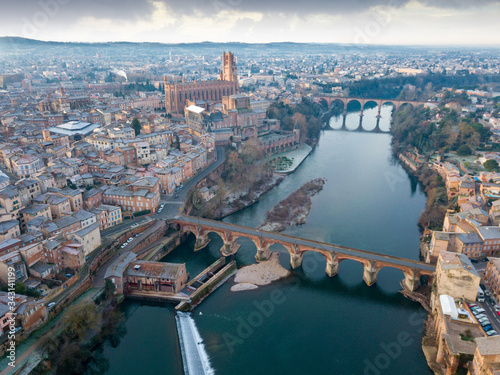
(296, 247)
(379, 102)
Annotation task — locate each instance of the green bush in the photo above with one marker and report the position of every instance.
(143, 212)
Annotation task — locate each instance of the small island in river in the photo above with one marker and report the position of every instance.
(294, 209)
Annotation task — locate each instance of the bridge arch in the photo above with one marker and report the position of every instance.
(392, 103)
(354, 104)
(371, 103)
(403, 105)
(337, 103)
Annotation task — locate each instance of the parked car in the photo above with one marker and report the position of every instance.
(176, 196)
(485, 259)
(498, 312)
(474, 261)
(480, 310)
(471, 305)
(125, 244)
(481, 316)
(487, 328)
(492, 333)
(485, 323)
(51, 304)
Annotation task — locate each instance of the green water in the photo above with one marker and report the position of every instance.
(308, 323)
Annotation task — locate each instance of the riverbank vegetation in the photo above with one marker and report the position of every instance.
(305, 116)
(437, 198)
(244, 177)
(71, 347)
(416, 127)
(294, 209)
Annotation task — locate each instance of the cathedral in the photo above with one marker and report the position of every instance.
(177, 94)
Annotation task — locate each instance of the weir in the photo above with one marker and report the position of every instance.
(194, 356)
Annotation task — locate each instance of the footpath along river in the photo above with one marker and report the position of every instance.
(307, 323)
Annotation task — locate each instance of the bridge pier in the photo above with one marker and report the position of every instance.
(295, 260)
(263, 254)
(370, 273)
(229, 248)
(201, 242)
(360, 126)
(411, 281)
(332, 267)
(377, 126)
(344, 116)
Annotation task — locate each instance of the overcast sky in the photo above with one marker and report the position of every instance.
(455, 22)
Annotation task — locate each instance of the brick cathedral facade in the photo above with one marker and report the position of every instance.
(176, 94)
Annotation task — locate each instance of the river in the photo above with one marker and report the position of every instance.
(308, 323)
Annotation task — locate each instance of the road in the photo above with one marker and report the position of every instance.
(311, 244)
(173, 204)
(492, 315)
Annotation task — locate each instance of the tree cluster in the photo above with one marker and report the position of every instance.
(71, 349)
(305, 116)
(415, 127)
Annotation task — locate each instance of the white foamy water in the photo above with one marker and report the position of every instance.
(194, 356)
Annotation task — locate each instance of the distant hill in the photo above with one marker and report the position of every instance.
(19, 42)
(13, 42)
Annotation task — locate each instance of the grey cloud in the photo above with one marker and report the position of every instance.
(460, 4)
(73, 9)
(134, 9)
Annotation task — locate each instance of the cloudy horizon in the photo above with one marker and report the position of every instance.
(390, 22)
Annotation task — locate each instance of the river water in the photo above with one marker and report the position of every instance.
(308, 323)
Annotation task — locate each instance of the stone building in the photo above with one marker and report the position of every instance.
(455, 276)
(486, 357)
(177, 94)
(141, 275)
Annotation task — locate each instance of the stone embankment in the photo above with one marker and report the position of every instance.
(294, 209)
